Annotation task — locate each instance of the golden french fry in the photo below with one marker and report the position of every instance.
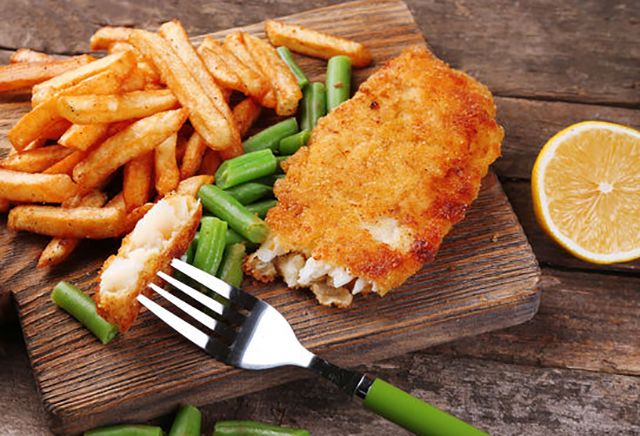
(59, 249)
(36, 160)
(54, 130)
(28, 55)
(66, 165)
(33, 124)
(77, 222)
(166, 168)
(245, 114)
(99, 109)
(144, 68)
(4, 205)
(191, 185)
(27, 74)
(316, 44)
(177, 37)
(234, 43)
(288, 92)
(181, 147)
(134, 81)
(204, 115)
(135, 140)
(105, 36)
(120, 64)
(136, 183)
(210, 52)
(36, 188)
(193, 153)
(210, 163)
(83, 136)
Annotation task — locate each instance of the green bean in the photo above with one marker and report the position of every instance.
(245, 168)
(280, 159)
(314, 105)
(187, 422)
(82, 308)
(225, 207)
(191, 251)
(250, 192)
(125, 430)
(287, 57)
(291, 144)
(269, 180)
(271, 136)
(210, 244)
(234, 238)
(338, 81)
(261, 207)
(252, 428)
(231, 268)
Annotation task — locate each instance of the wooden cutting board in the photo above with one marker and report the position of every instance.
(485, 278)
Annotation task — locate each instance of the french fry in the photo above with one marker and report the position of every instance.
(66, 165)
(137, 139)
(234, 43)
(77, 222)
(191, 185)
(36, 188)
(28, 55)
(136, 183)
(181, 147)
(144, 68)
(193, 153)
(120, 64)
(4, 205)
(316, 44)
(166, 168)
(32, 125)
(59, 249)
(105, 36)
(55, 130)
(245, 114)
(83, 136)
(100, 109)
(286, 87)
(36, 160)
(27, 74)
(204, 116)
(223, 73)
(177, 37)
(210, 163)
(134, 81)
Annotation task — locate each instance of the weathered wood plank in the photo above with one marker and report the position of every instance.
(586, 321)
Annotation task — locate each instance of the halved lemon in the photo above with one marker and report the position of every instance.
(586, 191)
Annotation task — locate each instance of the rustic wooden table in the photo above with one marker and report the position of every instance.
(573, 369)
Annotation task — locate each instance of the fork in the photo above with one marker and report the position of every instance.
(251, 334)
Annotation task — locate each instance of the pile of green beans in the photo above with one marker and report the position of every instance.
(252, 428)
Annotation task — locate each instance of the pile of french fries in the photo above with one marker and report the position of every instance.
(155, 106)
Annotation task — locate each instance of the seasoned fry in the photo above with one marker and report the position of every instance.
(120, 64)
(77, 222)
(105, 36)
(28, 55)
(223, 74)
(177, 37)
(210, 163)
(191, 185)
(245, 114)
(45, 114)
(136, 183)
(166, 168)
(144, 68)
(36, 188)
(286, 87)
(137, 139)
(204, 116)
(59, 249)
(66, 165)
(193, 154)
(316, 44)
(234, 43)
(83, 136)
(36, 160)
(55, 130)
(27, 74)
(99, 109)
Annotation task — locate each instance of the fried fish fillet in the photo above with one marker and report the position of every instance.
(383, 179)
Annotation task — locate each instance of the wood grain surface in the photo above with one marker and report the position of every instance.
(485, 278)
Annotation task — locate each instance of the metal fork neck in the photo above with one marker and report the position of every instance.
(351, 382)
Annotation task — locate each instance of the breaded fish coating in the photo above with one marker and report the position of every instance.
(383, 179)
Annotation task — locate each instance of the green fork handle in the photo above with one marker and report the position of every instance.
(413, 414)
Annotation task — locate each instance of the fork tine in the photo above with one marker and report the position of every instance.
(193, 334)
(196, 314)
(224, 289)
